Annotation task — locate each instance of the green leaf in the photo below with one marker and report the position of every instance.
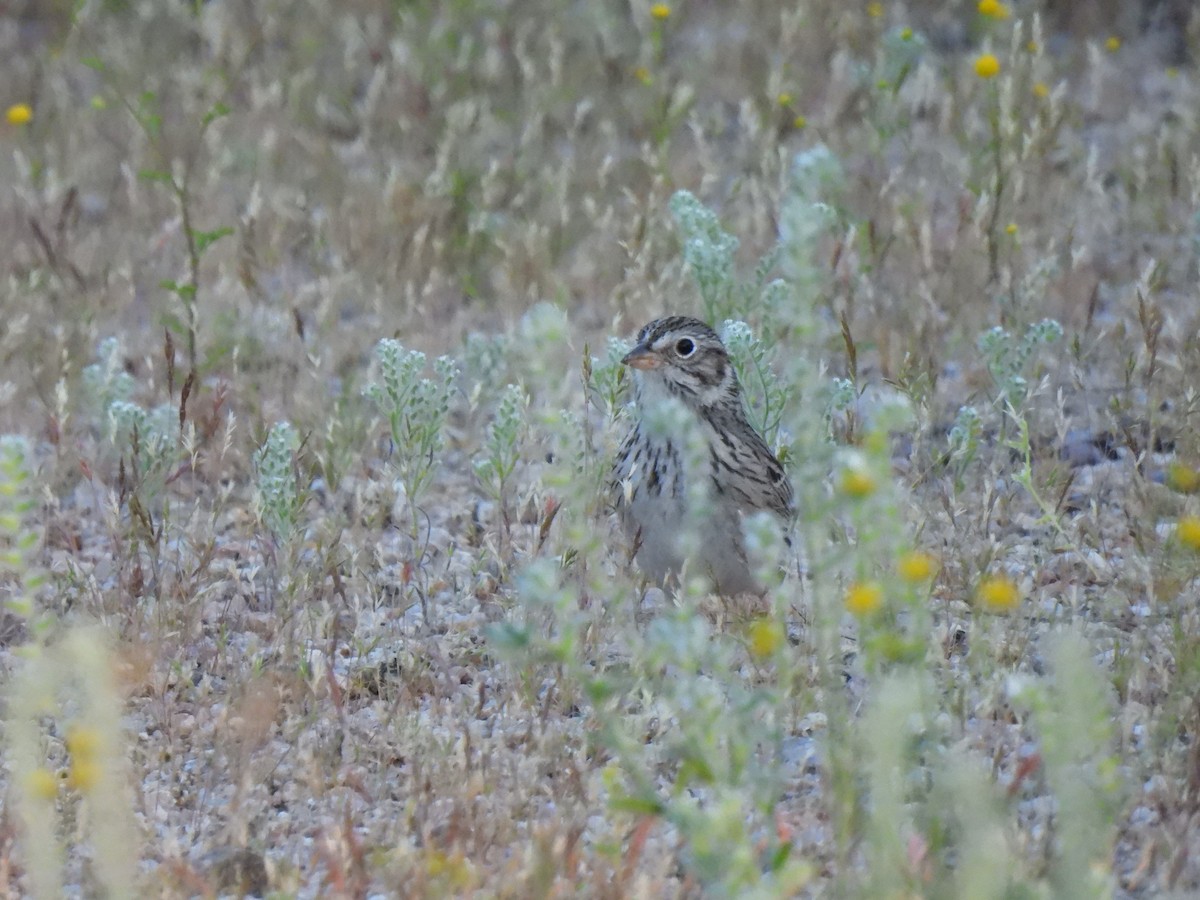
(183, 291)
(205, 239)
(637, 805)
(219, 110)
(780, 857)
(154, 175)
(692, 771)
(508, 637)
(146, 113)
(599, 690)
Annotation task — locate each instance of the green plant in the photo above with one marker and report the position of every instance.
(18, 540)
(963, 441)
(709, 252)
(106, 380)
(1070, 711)
(766, 396)
(64, 674)
(494, 467)
(178, 175)
(148, 441)
(279, 498)
(1007, 356)
(416, 408)
(716, 739)
(150, 437)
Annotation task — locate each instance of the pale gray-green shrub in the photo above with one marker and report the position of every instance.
(277, 490)
(1007, 356)
(415, 407)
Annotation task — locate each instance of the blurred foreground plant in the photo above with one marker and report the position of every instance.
(60, 684)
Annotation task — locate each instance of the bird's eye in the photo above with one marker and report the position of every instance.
(686, 347)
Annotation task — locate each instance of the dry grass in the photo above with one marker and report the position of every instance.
(352, 669)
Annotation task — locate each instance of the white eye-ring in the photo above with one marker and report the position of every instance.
(685, 347)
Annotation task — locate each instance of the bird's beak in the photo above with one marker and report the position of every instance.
(642, 357)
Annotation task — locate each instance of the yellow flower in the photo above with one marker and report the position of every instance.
(1188, 532)
(875, 10)
(82, 743)
(784, 99)
(19, 114)
(98, 102)
(1041, 90)
(998, 593)
(993, 9)
(906, 34)
(987, 66)
(1113, 44)
(857, 483)
(1032, 46)
(766, 636)
(660, 11)
(799, 122)
(1010, 228)
(42, 784)
(1183, 478)
(84, 775)
(452, 868)
(863, 598)
(915, 566)
(642, 74)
